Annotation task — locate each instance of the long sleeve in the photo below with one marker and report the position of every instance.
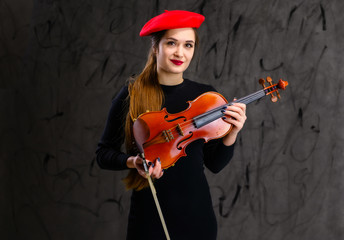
(217, 155)
(109, 154)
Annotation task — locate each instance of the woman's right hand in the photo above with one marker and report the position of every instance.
(154, 168)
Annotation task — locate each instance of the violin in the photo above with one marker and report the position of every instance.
(159, 134)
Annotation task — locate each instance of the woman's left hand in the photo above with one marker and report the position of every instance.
(235, 115)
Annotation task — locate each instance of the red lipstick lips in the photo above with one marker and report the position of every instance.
(177, 62)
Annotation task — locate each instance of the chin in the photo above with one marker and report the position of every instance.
(178, 69)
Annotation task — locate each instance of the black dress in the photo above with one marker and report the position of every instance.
(183, 190)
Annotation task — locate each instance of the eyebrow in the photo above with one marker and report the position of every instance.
(188, 41)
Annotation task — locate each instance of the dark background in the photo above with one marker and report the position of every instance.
(61, 62)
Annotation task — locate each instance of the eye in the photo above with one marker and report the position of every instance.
(171, 43)
(189, 45)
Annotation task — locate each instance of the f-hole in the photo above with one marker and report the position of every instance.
(174, 119)
(180, 148)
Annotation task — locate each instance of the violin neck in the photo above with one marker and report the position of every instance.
(216, 113)
(249, 98)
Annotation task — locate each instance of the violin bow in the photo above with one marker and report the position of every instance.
(151, 185)
(210, 116)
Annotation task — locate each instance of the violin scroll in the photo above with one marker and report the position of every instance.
(273, 88)
(282, 84)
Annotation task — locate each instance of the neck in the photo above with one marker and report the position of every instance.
(170, 79)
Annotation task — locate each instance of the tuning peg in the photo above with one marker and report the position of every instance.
(273, 88)
(269, 80)
(273, 97)
(262, 82)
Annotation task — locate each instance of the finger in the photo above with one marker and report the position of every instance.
(237, 106)
(241, 106)
(236, 123)
(142, 173)
(140, 169)
(233, 110)
(161, 173)
(235, 115)
(231, 117)
(150, 163)
(157, 169)
(138, 163)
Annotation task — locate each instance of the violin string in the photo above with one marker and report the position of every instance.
(247, 99)
(252, 97)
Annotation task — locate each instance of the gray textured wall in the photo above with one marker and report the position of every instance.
(62, 61)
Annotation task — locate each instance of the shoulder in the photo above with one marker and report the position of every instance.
(119, 103)
(121, 95)
(199, 86)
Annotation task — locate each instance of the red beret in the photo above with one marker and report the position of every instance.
(171, 20)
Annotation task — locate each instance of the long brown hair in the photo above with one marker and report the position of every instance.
(145, 93)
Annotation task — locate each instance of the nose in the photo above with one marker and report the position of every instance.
(179, 51)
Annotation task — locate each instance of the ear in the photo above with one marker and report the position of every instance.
(155, 50)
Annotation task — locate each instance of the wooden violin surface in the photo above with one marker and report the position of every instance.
(160, 134)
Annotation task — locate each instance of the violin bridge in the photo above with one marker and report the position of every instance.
(179, 129)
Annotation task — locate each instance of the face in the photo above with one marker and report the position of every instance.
(175, 51)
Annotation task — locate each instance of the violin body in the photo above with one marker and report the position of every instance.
(162, 135)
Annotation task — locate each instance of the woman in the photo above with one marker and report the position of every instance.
(183, 190)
